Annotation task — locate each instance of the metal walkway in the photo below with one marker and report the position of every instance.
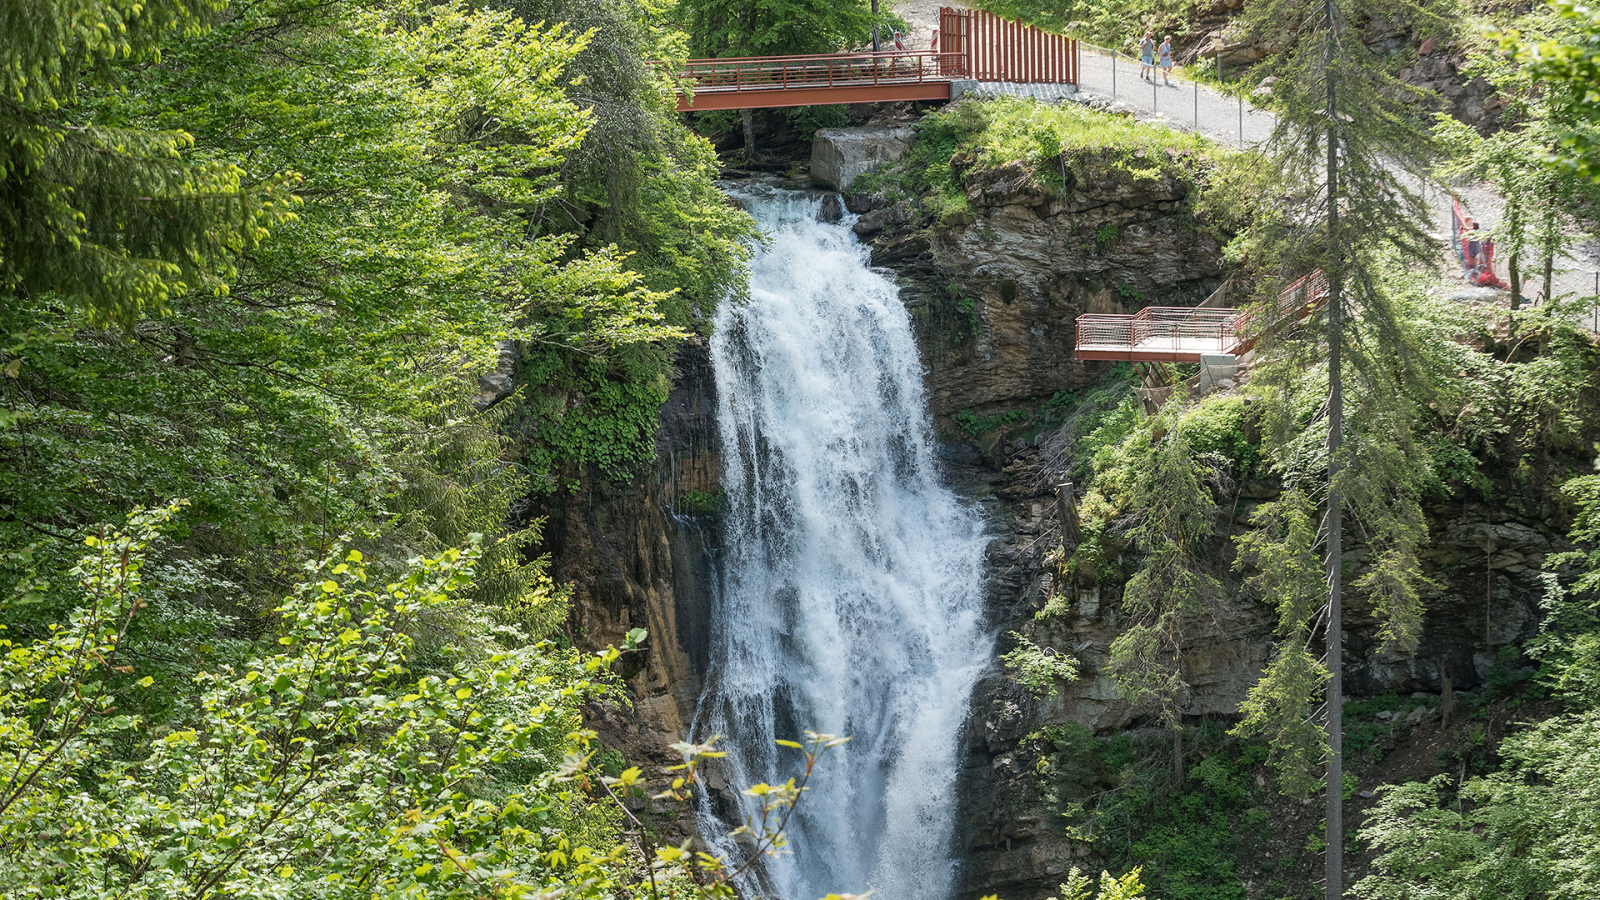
(1185, 334)
(971, 44)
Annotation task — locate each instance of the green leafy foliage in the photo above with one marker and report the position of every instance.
(322, 764)
(1117, 794)
(1118, 23)
(978, 425)
(775, 27)
(1041, 670)
(117, 218)
(310, 388)
(1566, 59)
(1109, 887)
(1524, 831)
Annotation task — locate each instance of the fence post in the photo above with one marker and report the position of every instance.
(1113, 73)
(1197, 102)
(1595, 310)
(1241, 121)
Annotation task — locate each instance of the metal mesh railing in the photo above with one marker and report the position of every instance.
(766, 73)
(1189, 332)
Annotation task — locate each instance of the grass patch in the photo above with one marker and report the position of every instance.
(979, 135)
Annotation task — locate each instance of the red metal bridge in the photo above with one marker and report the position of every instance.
(1160, 334)
(970, 44)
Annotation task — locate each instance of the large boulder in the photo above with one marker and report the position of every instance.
(841, 155)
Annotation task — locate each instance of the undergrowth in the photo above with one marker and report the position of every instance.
(974, 136)
(1117, 793)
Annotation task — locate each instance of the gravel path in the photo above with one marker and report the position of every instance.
(923, 17)
(1232, 121)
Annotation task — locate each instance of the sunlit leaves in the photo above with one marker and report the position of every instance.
(321, 768)
(1568, 63)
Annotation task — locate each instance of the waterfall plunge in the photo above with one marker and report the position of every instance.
(851, 587)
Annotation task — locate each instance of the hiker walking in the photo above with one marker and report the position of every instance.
(1166, 61)
(1147, 56)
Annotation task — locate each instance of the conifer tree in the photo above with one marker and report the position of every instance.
(1353, 152)
(114, 218)
(1171, 491)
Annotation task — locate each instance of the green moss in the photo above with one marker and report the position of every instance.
(1050, 141)
(978, 426)
(700, 503)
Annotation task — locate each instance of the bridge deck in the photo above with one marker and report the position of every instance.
(971, 44)
(764, 82)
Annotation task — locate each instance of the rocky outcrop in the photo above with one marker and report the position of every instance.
(1217, 39)
(497, 383)
(638, 555)
(998, 283)
(841, 155)
(1485, 558)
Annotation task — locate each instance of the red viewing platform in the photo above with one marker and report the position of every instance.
(1184, 334)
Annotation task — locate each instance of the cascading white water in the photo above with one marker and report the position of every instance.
(852, 579)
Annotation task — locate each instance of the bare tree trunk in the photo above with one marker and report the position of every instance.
(1334, 860)
(748, 118)
(1514, 269)
(1178, 774)
(1549, 238)
(875, 47)
(1447, 695)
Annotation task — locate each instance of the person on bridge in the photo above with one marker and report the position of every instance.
(1147, 56)
(1166, 61)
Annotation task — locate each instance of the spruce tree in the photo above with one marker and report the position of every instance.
(1173, 514)
(114, 218)
(1353, 149)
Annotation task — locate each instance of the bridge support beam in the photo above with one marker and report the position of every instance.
(773, 98)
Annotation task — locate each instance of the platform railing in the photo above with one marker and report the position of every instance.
(1168, 332)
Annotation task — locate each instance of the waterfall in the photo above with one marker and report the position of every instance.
(852, 581)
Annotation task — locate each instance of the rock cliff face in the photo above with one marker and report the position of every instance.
(996, 293)
(997, 290)
(639, 555)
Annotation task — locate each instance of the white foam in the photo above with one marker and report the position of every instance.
(852, 580)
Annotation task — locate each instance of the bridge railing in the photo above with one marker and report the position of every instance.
(1166, 330)
(1306, 295)
(996, 49)
(767, 73)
